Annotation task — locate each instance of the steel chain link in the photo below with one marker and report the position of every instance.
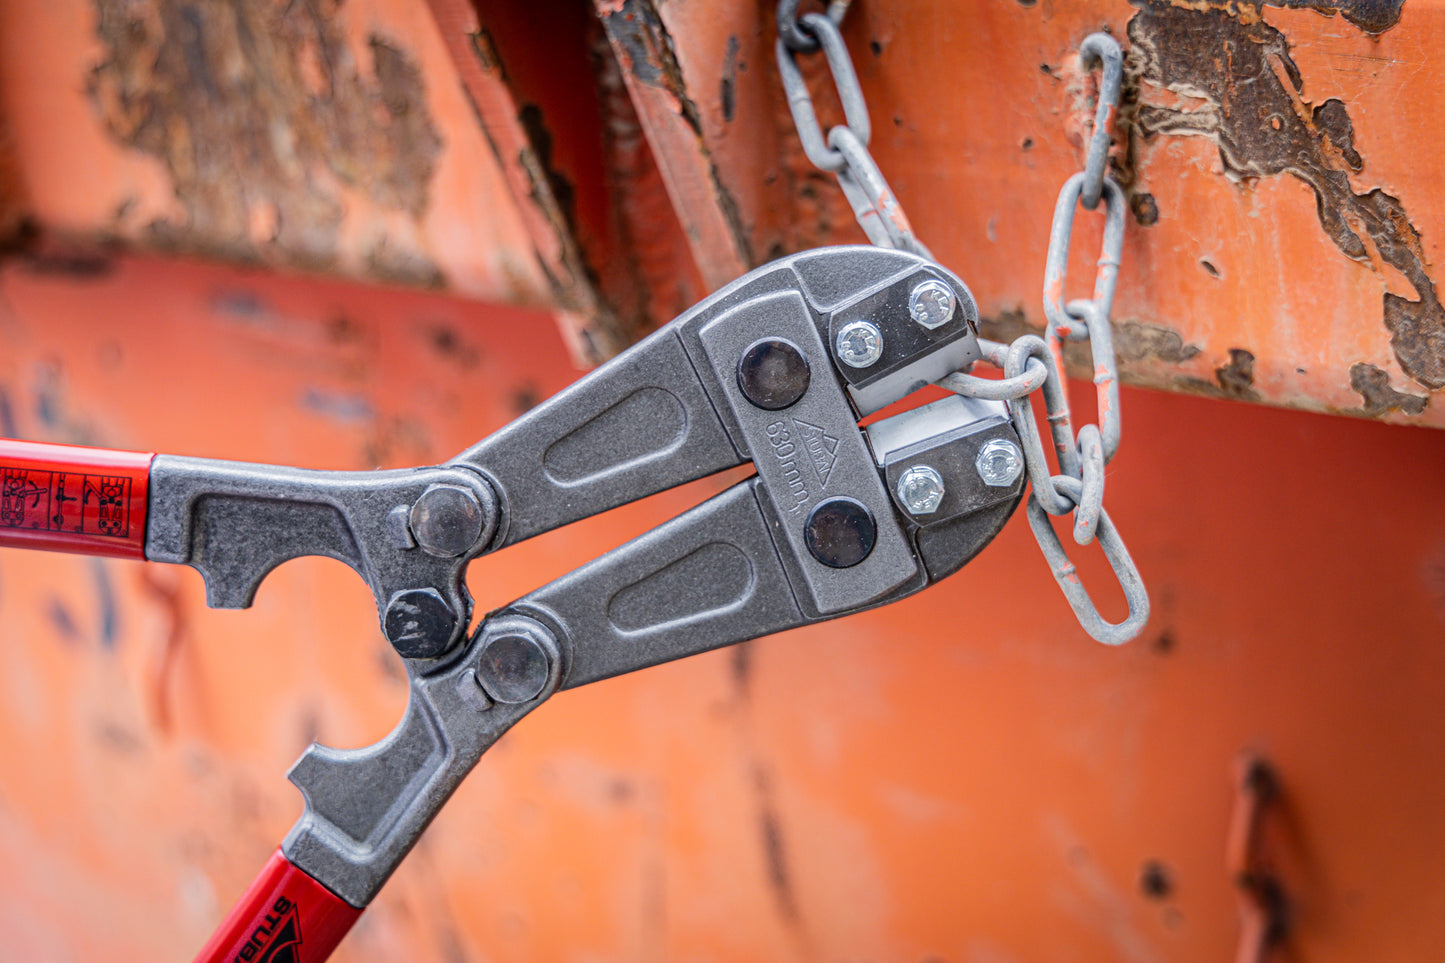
(1030, 363)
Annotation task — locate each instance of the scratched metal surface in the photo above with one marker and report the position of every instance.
(962, 777)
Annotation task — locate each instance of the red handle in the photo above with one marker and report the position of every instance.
(90, 501)
(284, 916)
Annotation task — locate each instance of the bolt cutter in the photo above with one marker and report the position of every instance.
(776, 369)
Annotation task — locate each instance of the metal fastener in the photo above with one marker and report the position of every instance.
(999, 463)
(514, 666)
(840, 532)
(419, 623)
(920, 489)
(931, 303)
(859, 344)
(773, 373)
(446, 520)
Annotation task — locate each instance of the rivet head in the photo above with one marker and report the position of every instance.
(931, 303)
(859, 344)
(840, 532)
(446, 521)
(999, 463)
(920, 489)
(773, 373)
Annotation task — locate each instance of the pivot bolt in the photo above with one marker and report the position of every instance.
(419, 623)
(840, 532)
(931, 304)
(920, 489)
(773, 373)
(859, 344)
(446, 521)
(514, 666)
(999, 463)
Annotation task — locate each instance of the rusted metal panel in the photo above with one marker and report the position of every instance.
(1282, 246)
(720, 246)
(310, 135)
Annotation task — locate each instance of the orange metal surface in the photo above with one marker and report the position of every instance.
(963, 776)
(960, 777)
(617, 161)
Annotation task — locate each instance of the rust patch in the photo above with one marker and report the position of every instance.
(1134, 341)
(1371, 16)
(264, 120)
(1247, 96)
(1237, 377)
(1373, 385)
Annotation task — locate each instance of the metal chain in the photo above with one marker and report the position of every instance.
(1031, 363)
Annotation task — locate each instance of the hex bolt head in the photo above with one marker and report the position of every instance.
(419, 623)
(859, 344)
(999, 463)
(773, 373)
(920, 489)
(931, 303)
(446, 521)
(514, 667)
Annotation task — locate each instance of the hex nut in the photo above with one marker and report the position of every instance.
(859, 344)
(999, 463)
(931, 303)
(921, 490)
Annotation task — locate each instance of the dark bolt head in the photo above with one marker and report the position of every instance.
(446, 521)
(419, 623)
(840, 532)
(514, 667)
(773, 373)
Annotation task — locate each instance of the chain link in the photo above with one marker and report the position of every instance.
(1030, 363)
(845, 150)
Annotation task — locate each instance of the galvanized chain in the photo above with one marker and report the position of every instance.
(1031, 363)
(845, 150)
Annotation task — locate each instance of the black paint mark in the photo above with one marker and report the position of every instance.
(525, 397)
(8, 427)
(1373, 385)
(728, 91)
(773, 850)
(875, 48)
(61, 619)
(1254, 109)
(1155, 880)
(742, 670)
(107, 614)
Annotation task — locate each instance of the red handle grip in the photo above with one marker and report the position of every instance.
(90, 501)
(285, 915)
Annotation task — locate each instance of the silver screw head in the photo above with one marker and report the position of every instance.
(859, 344)
(931, 304)
(999, 463)
(920, 489)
